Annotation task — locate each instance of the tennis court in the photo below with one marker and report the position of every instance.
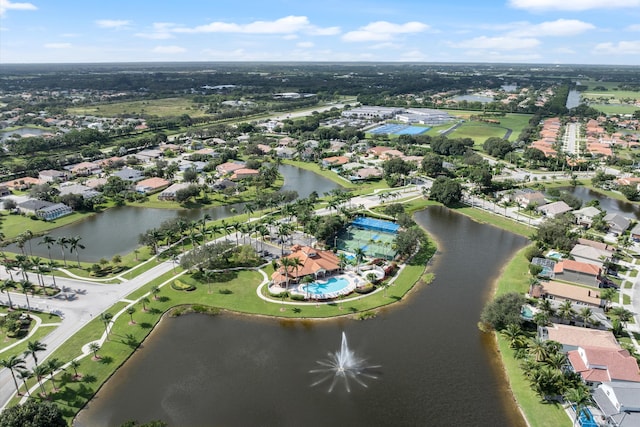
(398, 129)
(375, 224)
(374, 243)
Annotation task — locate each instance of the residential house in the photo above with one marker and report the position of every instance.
(366, 173)
(52, 175)
(529, 197)
(619, 403)
(572, 337)
(84, 169)
(94, 183)
(285, 152)
(44, 210)
(390, 154)
(228, 168)
(617, 223)
(223, 184)
(82, 190)
(314, 262)
(598, 245)
(151, 185)
(590, 255)
(244, 173)
(21, 184)
(566, 292)
(266, 149)
(597, 365)
(378, 150)
(4, 191)
(554, 209)
(169, 193)
(129, 174)
(585, 216)
(335, 161)
(578, 272)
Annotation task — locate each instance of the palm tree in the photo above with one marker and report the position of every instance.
(5, 286)
(27, 286)
(13, 363)
(40, 372)
(24, 264)
(49, 242)
(36, 263)
(24, 375)
(28, 236)
(53, 365)
(285, 263)
(130, 311)
(52, 267)
(342, 260)
(155, 290)
(359, 254)
(513, 333)
(623, 314)
(144, 301)
(296, 264)
(585, 314)
(566, 311)
(248, 209)
(203, 226)
(579, 398)
(538, 349)
(556, 360)
(74, 245)
(63, 242)
(208, 276)
(34, 347)
(94, 347)
(545, 306)
(541, 318)
(237, 227)
(106, 320)
(75, 364)
(9, 265)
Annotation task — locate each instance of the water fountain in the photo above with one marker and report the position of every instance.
(344, 365)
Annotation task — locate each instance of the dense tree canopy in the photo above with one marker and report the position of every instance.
(446, 191)
(33, 413)
(503, 311)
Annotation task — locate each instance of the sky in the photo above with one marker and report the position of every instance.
(520, 31)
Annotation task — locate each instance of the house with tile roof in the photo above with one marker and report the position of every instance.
(22, 184)
(151, 185)
(314, 262)
(169, 193)
(578, 272)
(335, 161)
(590, 255)
(244, 173)
(228, 168)
(554, 209)
(597, 365)
(560, 291)
(617, 223)
(586, 215)
(572, 337)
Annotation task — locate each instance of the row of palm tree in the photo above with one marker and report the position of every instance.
(18, 368)
(545, 367)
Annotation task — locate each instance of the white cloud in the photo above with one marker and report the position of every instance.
(305, 45)
(290, 37)
(558, 28)
(635, 27)
(57, 45)
(154, 36)
(386, 45)
(498, 43)
(564, 51)
(287, 25)
(383, 31)
(8, 5)
(572, 5)
(631, 47)
(112, 23)
(169, 49)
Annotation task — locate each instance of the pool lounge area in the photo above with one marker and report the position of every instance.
(332, 287)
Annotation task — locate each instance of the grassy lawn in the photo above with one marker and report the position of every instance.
(626, 299)
(19, 349)
(13, 225)
(326, 173)
(538, 413)
(615, 108)
(485, 217)
(478, 131)
(167, 107)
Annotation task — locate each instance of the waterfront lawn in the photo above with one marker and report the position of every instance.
(485, 217)
(537, 412)
(13, 225)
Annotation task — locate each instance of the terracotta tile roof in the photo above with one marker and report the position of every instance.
(578, 336)
(312, 260)
(578, 267)
(597, 364)
(566, 291)
(153, 183)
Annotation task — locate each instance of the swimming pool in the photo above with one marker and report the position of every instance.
(331, 288)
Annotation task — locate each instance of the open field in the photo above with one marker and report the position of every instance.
(478, 131)
(167, 107)
(615, 108)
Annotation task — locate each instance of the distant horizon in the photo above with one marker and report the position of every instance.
(589, 32)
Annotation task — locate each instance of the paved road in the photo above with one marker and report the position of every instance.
(88, 301)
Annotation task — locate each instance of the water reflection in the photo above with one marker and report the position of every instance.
(116, 230)
(438, 369)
